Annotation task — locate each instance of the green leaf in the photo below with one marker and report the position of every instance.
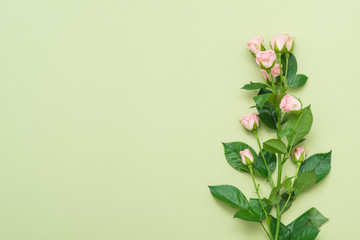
(299, 141)
(275, 146)
(285, 132)
(261, 99)
(306, 226)
(298, 223)
(274, 197)
(245, 215)
(259, 165)
(287, 184)
(297, 81)
(316, 219)
(268, 117)
(320, 163)
(256, 209)
(311, 217)
(292, 69)
(254, 86)
(304, 182)
(284, 198)
(303, 127)
(284, 233)
(305, 233)
(233, 157)
(267, 113)
(230, 195)
(285, 118)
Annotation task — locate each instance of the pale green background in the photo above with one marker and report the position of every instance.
(112, 114)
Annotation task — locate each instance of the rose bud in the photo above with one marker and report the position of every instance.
(278, 43)
(275, 71)
(298, 154)
(289, 44)
(246, 157)
(250, 121)
(289, 103)
(255, 45)
(266, 59)
(265, 74)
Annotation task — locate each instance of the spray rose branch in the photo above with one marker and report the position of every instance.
(266, 60)
(284, 113)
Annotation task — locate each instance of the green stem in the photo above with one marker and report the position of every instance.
(287, 55)
(257, 193)
(278, 221)
(298, 164)
(272, 81)
(287, 201)
(278, 212)
(281, 78)
(262, 225)
(296, 176)
(263, 156)
(278, 137)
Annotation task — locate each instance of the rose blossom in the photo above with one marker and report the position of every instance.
(298, 154)
(250, 121)
(289, 103)
(278, 42)
(254, 45)
(246, 157)
(275, 71)
(282, 42)
(266, 59)
(265, 74)
(289, 44)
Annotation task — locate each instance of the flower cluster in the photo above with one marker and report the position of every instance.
(266, 59)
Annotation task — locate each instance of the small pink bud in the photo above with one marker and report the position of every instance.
(266, 59)
(289, 44)
(250, 121)
(265, 74)
(255, 45)
(289, 103)
(246, 157)
(298, 154)
(275, 71)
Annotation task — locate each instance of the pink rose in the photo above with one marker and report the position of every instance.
(255, 45)
(278, 42)
(246, 157)
(289, 44)
(298, 154)
(250, 121)
(289, 103)
(266, 59)
(282, 43)
(275, 71)
(265, 74)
